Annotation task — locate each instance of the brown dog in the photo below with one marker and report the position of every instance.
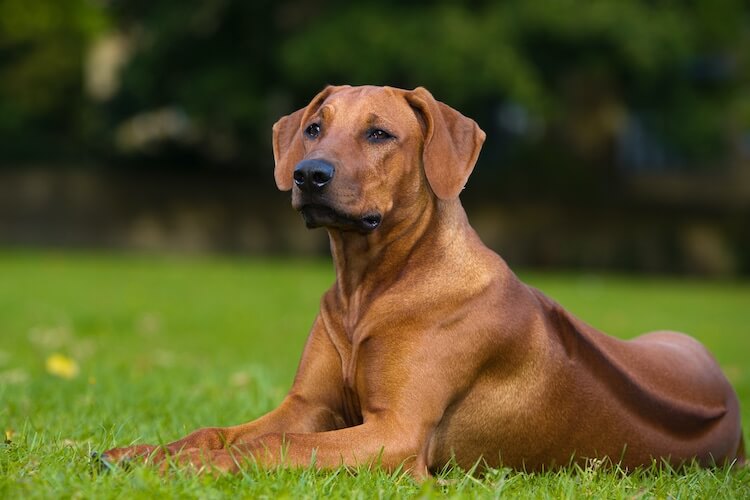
(428, 347)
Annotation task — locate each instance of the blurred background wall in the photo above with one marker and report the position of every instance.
(618, 132)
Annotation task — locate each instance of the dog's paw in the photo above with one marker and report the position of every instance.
(99, 463)
(123, 457)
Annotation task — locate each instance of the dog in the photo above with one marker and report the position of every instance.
(427, 349)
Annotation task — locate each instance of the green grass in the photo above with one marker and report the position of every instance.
(167, 345)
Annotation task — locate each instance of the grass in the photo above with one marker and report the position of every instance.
(163, 346)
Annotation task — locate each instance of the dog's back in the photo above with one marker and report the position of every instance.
(665, 382)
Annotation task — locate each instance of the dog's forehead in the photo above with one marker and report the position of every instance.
(370, 102)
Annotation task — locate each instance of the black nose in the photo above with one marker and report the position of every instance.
(313, 175)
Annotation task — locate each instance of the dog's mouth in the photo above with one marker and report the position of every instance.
(322, 215)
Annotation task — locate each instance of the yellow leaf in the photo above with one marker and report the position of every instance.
(62, 366)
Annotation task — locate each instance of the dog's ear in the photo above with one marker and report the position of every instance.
(451, 144)
(288, 148)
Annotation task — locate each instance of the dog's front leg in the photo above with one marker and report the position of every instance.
(312, 405)
(216, 438)
(388, 443)
(295, 414)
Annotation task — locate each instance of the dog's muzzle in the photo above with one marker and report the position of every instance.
(313, 178)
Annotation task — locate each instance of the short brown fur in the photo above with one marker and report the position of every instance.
(427, 347)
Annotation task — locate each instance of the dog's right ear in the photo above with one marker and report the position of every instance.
(288, 148)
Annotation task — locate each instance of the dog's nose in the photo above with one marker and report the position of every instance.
(313, 175)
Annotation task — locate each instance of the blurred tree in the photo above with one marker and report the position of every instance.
(565, 82)
(579, 89)
(211, 62)
(42, 47)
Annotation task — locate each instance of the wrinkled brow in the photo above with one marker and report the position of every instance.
(375, 119)
(326, 112)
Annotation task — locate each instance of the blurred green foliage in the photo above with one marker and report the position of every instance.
(42, 44)
(553, 82)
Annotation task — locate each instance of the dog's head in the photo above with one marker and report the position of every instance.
(356, 157)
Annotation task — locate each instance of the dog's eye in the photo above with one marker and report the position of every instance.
(313, 131)
(378, 135)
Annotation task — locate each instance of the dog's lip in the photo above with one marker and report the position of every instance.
(372, 220)
(316, 215)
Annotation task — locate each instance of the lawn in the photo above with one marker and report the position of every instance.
(98, 350)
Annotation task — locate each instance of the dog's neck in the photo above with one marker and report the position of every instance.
(368, 263)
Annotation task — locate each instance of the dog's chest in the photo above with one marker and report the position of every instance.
(352, 406)
(348, 345)
(350, 326)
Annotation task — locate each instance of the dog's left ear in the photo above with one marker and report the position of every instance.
(451, 144)
(288, 148)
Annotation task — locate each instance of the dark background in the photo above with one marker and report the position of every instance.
(618, 132)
